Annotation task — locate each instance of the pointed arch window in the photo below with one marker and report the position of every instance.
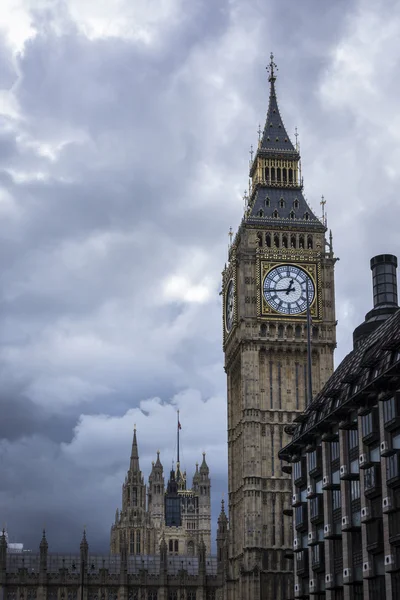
(138, 542)
(292, 214)
(301, 241)
(293, 241)
(296, 204)
(261, 212)
(275, 214)
(260, 239)
(267, 201)
(297, 331)
(290, 175)
(272, 174)
(266, 173)
(284, 174)
(281, 203)
(268, 240)
(284, 241)
(132, 542)
(276, 240)
(307, 216)
(310, 244)
(171, 546)
(278, 171)
(280, 331)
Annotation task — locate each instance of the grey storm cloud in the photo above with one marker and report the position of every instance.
(123, 160)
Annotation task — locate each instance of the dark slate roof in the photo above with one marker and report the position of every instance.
(274, 136)
(361, 372)
(268, 199)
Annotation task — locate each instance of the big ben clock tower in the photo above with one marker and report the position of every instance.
(279, 256)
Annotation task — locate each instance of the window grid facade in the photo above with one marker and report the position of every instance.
(350, 545)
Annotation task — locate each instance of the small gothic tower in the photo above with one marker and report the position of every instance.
(84, 549)
(222, 539)
(278, 291)
(133, 519)
(3, 551)
(43, 549)
(156, 493)
(205, 503)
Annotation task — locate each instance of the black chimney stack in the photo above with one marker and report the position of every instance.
(384, 283)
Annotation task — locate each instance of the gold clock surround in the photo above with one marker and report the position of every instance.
(311, 268)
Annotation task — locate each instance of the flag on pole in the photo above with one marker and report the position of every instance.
(179, 425)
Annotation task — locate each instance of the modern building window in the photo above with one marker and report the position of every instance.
(334, 446)
(355, 489)
(336, 499)
(353, 438)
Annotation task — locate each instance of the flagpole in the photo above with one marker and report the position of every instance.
(178, 436)
(309, 359)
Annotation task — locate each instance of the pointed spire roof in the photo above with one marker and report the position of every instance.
(158, 461)
(43, 544)
(204, 466)
(222, 515)
(196, 476)
(84, 546)
(277, 190)
(134, 467)
(274, 136)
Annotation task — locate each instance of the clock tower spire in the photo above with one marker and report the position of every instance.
(279, 278)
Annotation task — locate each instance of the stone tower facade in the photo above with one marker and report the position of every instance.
(156, 513)
(280, 270)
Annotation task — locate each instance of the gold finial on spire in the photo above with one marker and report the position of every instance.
(322, 203)
(259, 131)
(296, 135)
(134, 427)
(251, 152)
(230, 234)
(271, 69)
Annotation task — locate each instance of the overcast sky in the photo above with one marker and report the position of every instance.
(124, 136)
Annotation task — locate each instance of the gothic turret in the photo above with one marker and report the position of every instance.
(84, 548)
(196, 478)
(222, 538)
(205, 502)
(43, 549)
(156, 493)
(3, 551)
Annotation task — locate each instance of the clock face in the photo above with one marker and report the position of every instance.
(285, 289)
(229, 306)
